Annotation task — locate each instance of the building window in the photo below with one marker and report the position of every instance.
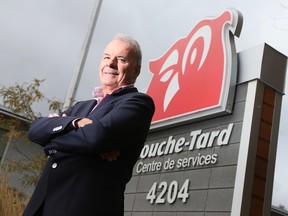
(3, 141)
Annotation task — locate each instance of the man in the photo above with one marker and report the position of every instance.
(93, 146)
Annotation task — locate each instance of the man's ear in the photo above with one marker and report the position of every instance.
(133, 76)
(137, 71)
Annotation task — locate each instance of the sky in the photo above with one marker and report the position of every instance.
(43, 39)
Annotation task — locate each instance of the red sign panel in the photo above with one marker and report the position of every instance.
(196, 76)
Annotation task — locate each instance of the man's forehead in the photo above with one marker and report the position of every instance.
(118, 46)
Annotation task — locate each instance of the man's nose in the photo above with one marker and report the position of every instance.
(112, 63)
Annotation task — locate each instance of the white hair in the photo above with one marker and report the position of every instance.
(134, 45)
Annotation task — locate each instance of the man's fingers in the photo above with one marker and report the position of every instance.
(53, 115)
(82, 122)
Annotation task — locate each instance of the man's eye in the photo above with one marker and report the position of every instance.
(121, 59)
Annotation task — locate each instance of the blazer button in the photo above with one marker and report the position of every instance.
(54, 165)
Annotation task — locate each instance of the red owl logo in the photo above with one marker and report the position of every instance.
(193, 75)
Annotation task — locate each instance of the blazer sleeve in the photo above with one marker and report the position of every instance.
(44, 129)
(126, 124)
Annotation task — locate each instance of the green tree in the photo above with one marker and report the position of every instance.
(21, 100)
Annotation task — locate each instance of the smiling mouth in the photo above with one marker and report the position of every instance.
(111, 72)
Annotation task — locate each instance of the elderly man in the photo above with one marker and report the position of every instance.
(93, 146)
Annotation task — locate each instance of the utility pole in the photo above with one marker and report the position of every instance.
(74, 83)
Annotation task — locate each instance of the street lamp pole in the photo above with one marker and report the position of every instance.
(74, 83)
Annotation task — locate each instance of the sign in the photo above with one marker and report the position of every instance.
(196, 77)
(197, 141)
(199, 159)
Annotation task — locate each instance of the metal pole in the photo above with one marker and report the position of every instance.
(6, 149)
(71, 92)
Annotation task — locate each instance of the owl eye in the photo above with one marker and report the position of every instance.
(170, 61)
(166, 76)
(205, 33)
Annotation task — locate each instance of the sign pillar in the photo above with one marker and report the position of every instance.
(256, 161)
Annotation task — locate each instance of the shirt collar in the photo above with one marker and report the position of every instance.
(97, 93)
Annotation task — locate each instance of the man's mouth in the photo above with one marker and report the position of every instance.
(111, 72)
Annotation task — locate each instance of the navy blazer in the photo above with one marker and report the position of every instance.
(75, 180)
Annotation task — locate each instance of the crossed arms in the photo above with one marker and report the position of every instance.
(96, 135)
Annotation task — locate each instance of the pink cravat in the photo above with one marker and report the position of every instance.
(97, 93)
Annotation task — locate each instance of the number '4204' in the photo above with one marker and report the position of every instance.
(163, 191)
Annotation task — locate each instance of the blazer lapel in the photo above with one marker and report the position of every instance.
(117, 92)
(86, 108)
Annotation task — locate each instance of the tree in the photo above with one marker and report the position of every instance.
(21, 100)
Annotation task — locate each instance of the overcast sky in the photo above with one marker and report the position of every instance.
(42, 39)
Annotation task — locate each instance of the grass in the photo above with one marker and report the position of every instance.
(12, 201)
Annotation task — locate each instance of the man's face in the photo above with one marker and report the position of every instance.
(118, 66)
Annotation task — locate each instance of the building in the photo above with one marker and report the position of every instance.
(14, 144)
(276, 211)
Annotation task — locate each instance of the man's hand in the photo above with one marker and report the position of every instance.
(109, 156)
(82, 122)
(53, 115)
(56, 115)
